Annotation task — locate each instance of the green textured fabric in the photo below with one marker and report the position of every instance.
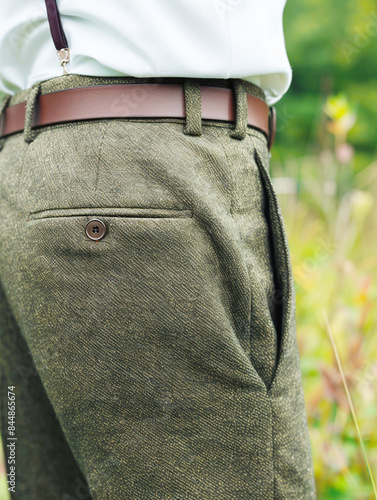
(193, 106)
(241, 125)
(160, 362)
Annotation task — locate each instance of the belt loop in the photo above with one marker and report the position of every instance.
(193, 105)
(3, 105)
(29, 133)
(240, 98)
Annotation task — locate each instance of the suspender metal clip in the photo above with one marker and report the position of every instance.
(64, 57)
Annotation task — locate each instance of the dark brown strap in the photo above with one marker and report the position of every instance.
(271, 127)
(133, 101)
(56, 27)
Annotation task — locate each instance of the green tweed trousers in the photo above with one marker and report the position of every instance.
(159, 362)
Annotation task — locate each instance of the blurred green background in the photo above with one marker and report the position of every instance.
(324, 168)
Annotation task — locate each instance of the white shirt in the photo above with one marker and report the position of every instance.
(148, 38)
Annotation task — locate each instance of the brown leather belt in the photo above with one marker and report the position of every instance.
(135, 101)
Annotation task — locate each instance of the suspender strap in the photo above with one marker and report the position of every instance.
(57, 33)
(56, 27)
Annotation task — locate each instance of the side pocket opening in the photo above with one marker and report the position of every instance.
(283, 298)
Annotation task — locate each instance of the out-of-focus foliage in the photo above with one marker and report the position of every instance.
(332, 47)
(324, 167)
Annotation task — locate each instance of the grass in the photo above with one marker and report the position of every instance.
(3, 482)
(333, 239)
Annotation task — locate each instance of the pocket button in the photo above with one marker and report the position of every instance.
(95, 229)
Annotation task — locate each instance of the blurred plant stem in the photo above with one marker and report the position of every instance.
(329, 332)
